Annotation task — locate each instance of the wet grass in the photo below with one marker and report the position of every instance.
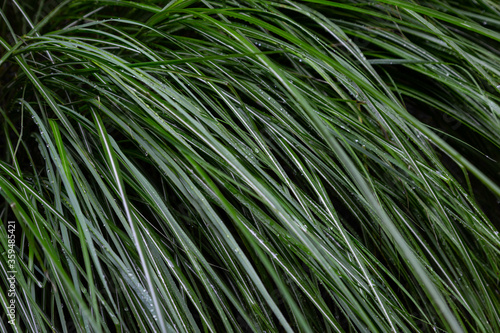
(251, 166)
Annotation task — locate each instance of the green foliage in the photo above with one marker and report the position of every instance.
(266, 166)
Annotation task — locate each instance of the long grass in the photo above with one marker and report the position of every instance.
(251, 166)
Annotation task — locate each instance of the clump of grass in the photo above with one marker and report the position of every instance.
(251, 165)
